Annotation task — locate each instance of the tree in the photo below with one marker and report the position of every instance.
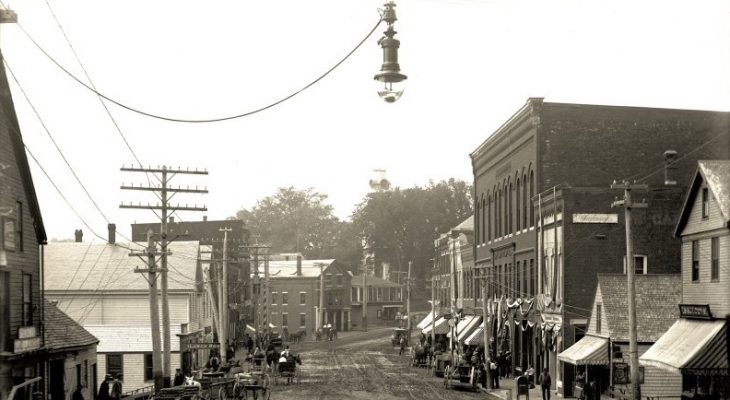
(294, 220)
(400, 225)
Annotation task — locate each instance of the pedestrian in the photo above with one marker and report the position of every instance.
(402, 345)
(116, 390)
(545, 382)
(494, 374)
(249, 345)
(77, 395)
(179, 378)
(104, 388)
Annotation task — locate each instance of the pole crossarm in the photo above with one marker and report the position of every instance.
(165, 169)
(159, 189)
(164, 207)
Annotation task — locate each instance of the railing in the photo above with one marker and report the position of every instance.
(139, 394)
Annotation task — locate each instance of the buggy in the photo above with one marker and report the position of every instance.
(397, 334)
(462, 375)
(440, 362)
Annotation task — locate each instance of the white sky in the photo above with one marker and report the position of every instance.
(470, 64)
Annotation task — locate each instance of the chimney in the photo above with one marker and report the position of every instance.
(670, 157)
(112, 228)
(172, 220)
(78, 236)
(299, 265)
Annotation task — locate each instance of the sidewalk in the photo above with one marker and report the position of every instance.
(507, 388)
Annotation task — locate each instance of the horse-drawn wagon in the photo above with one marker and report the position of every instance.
(462, 375)
(420, 355)
(440, 362)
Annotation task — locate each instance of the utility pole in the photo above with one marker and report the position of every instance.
(320, 312)
(408, 301)
(365, 296)
(164, 208)
(254, 251)
(211, 299)
(151, 278)
(267, 293)
(485, 287)
(223, 334)
(628, 205)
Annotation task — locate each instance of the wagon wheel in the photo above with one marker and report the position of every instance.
(222, 395)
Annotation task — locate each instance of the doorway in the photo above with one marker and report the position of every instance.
(55, 387)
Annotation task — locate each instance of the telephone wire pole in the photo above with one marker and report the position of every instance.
(628, 205)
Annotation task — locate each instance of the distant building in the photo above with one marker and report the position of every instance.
(208, 233)
(454, 283)
(694, 349)
(95, 284)
(386, 301)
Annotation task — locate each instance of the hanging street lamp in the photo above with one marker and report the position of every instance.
(390, 76)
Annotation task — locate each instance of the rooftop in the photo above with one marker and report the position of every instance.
(62, 332)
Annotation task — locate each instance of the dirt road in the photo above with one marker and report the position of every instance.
(364, 366)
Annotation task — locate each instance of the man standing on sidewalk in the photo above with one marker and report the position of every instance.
(545, 382)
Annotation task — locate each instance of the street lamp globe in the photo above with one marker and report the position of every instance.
(390, 79)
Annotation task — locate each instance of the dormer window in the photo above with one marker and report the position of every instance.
(705, 204)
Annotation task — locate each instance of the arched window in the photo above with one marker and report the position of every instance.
(532, 194)
(510, 223)
(484, 220)
(488, 216)
(525, 200)
(518, 225)
(500, 218)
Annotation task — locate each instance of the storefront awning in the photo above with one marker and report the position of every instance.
(425, 321)
(688, 344)
(591, 350)
(440, 327)
(476, 337)
(468, 329)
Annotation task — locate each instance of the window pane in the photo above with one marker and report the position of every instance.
(148, 366)
(695, 260)
(302, 298)
(715, 270)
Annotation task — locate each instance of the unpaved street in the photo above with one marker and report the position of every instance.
(363, 367)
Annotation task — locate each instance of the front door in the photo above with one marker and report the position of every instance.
(56, 380)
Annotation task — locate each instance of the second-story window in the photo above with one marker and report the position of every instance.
(302, 298)
(695, 261)
(19, 225)
(705, 203)
(715, 266)
(284, 298)
(273, 298)
(598, 318)
(27, 299)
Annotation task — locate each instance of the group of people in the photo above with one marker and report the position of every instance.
(110, 388)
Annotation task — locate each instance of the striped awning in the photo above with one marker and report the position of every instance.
(463, 323)
(688, 347)
(425, 321)
(476, 337)
(590, 350)
(440, 327)
(469, 329)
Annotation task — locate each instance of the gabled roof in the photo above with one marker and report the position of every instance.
(465, 226)
(717, 175)
(372, 282)
(11, 128)
(288, 268)
(62, 332)
(657, 299)
(103, 267)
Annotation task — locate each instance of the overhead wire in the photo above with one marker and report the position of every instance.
(202, 120)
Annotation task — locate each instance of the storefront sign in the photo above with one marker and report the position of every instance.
(23, 345)
(197, 346)
(695, 311)
(620, 373)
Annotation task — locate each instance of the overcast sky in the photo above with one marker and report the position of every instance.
(470, 64)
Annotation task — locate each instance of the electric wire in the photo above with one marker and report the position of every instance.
(203, 120)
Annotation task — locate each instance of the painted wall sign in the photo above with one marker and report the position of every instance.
(595, 218)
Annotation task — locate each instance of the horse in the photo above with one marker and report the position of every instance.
(272, 359)
(420, 355)
(190, 381)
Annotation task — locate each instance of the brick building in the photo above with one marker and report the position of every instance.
(452, 276)
(554, 162)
